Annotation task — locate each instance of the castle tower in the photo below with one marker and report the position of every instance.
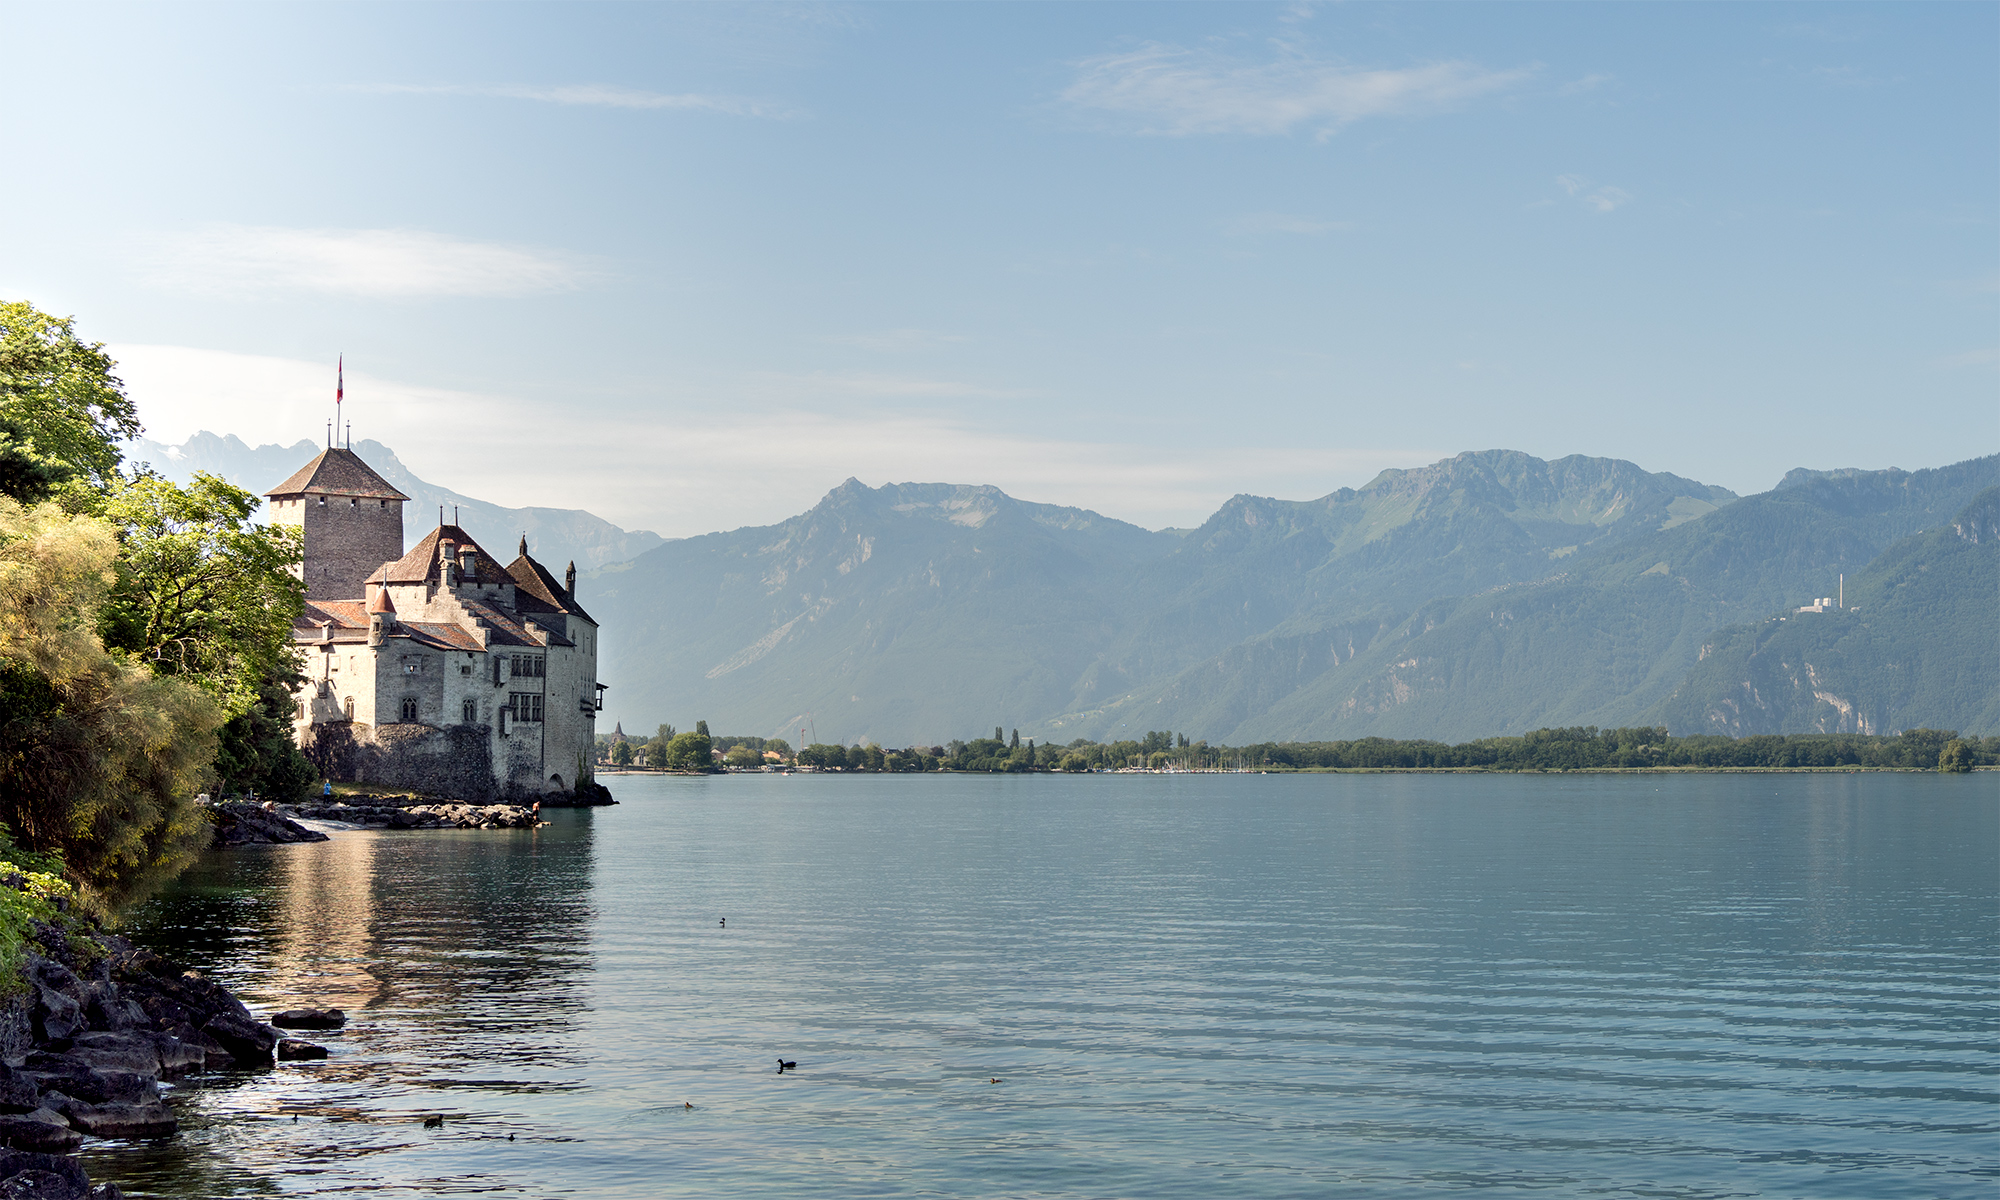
(352, 520)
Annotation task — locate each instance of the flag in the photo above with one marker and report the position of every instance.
(340, 381)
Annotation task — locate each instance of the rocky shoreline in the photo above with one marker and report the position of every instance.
(96, 1025)
(243, 823)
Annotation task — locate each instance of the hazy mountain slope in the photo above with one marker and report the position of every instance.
(1922, 651)
(1597, 643)
(1269, 594)
(555, 535)
(906, 612)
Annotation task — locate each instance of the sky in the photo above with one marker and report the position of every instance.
(691, 266)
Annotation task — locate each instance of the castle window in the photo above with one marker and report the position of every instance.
(470, 711)
(353, 502)
(527, 706)
(409, 708)
(347, 707)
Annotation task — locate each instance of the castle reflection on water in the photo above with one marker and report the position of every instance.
(461, 959)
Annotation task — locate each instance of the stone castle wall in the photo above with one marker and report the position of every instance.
(455, 761)
(347, 539)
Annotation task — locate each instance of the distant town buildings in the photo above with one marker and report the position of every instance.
(439, 669)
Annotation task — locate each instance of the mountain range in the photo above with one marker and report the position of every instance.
(555, 535)
(1489, 593)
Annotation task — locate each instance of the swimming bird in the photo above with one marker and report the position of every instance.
(724, 922)
(784, 1066)
(687, 1104)
(993, 1081)
(510, 1137)
(434, 1122)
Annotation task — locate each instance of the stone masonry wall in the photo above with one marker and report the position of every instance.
(347, 539)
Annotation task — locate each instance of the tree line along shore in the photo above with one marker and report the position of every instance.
(1576, 748)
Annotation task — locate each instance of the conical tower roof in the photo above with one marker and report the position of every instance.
(337, 472)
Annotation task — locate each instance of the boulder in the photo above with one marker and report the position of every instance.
(18, 1092)
(294, 1050)
(69, 1076)
(27, 1175)
(248, 1042)
(310, 1018)
(54, 1015)
(21, 1132)
(243, 824)
(138, 1050)
(120, 1120)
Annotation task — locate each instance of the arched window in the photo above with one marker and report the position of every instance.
(471, 711)
(347, 706)
(409, 708)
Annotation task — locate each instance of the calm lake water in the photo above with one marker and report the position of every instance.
(1245, 986)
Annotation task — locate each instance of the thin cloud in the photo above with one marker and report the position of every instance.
(1589, 83)
(877, 385)
(594, 95)
(1985, 357)
(376, 263)
(1604, 199)
(1177, 92)
(736, 463)
(896, 341)
(1252, 224)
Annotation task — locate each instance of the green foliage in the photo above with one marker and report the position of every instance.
(1956, 756)
(27, 898)
(62, 412)
(258, 754)
(621, 754)
(99, 758)
(201, 592)
(690, 752)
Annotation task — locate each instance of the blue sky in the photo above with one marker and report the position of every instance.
(690, 266)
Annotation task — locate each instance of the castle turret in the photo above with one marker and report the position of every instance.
(352, 521)
(381, 614)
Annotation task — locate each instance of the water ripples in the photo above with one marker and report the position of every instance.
(1703, 986)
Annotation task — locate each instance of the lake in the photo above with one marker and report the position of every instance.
(1103, 986)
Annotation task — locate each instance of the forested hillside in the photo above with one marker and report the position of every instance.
(1919, 644)
(1488, 594)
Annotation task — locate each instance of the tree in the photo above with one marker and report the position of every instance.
(62, 412)
(621, 754)
(701, 727)
(257, 752)
(1956, 756)
(201, 591)
(690, 752)
(1015, 743)
(99, 757)
(743, 756)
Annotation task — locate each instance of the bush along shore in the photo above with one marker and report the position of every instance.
(1577, 748)
(90, 1025)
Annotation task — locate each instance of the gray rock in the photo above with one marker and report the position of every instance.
(55, 1016)
(120, 1120)
(248, 1042)
(310, 1018)
(27, 1133)
(27, 1175)
(238, 823)
(294, 1050)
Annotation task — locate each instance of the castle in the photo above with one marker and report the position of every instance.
(438, 670)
